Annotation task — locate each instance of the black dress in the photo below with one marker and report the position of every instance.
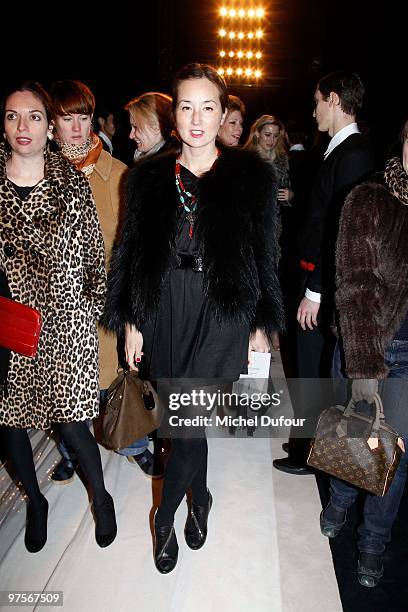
(184, 339)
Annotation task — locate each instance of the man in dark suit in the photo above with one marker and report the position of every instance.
(105, 127)
(347, 161)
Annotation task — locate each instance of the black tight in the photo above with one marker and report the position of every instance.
(186, 467)
(19, 451)
(77, 436)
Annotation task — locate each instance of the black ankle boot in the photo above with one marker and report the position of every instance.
(370, 569)
(105, 522)
(195, 530)
(165, 547)
(332, 520)
(36, 527)
(64, 472)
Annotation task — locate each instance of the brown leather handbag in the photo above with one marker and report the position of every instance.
(356, 448)
(132, 410)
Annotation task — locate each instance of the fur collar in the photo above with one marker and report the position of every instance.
(57, 170)
(396, 179)
(235, 228)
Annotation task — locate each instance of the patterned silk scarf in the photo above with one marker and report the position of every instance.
(396, 179)
(83, 156)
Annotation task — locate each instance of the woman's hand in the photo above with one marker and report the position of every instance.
(285, 195)
(364, 390)
(258, 342)
(133, 346)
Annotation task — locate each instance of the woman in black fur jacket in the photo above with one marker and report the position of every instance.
(193, 278)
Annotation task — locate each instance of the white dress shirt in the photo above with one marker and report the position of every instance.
(340, 136)
(106, 140)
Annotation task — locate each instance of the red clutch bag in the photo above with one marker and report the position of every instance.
(20, 327)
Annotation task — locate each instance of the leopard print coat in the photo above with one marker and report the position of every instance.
(52, 252)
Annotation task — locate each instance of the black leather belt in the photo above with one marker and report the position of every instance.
(194, 262)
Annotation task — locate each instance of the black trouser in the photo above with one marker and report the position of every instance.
(315, 352)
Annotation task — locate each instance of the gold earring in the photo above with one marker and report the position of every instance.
(50, 135)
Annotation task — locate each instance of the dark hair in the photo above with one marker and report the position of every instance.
(153, 108)
(296, 135)
(349, 88)
(404, 132)
(103, 112)
(72, 97)
(200, 71)
(36, 89)
(235, 103)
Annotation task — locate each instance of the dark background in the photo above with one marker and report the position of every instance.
(121, 50)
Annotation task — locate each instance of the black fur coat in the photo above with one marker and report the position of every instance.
(235, 226)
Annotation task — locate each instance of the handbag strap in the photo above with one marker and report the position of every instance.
(349, 411)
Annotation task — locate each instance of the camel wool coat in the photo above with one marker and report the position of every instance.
(51, 251)
(105, 182)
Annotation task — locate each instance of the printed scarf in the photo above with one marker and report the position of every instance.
(396, 179)
(83, 156)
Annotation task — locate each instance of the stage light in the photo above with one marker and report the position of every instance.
(242, 31)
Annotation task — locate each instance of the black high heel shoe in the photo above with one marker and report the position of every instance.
(195, 530)
(36, 527)
(165, 547)
(105, 522)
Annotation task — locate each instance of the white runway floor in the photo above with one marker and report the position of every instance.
(264, 551)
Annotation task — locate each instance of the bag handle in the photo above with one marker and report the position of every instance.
(379, 418)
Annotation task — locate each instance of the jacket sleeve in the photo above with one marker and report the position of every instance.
(269, 313)
(118, 306)
(351, 169)
(93, 250)
(359, 295)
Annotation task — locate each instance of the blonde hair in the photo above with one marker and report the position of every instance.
(280, 148)
(153, 108)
